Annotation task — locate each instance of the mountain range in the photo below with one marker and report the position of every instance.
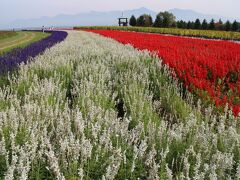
(190, 15)
(103, 18)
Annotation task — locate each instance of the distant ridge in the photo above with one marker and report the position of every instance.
(82, 19)
(102, 18)
(190, 15)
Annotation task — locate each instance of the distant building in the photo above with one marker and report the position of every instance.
(43, 29)
(123, 21)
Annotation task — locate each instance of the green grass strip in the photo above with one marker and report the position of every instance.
(20, 40)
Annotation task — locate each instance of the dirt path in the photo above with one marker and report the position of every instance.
(25, 37)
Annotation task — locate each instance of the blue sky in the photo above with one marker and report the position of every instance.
(25, 9)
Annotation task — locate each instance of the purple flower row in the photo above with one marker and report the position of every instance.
(10, 61)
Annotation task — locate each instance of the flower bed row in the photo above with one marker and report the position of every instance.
(61, 118)
(10, 61)
(209, 34)
(211, 69)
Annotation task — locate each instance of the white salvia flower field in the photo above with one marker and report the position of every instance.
(91, 108)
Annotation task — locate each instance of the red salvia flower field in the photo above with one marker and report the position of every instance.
(209, 68)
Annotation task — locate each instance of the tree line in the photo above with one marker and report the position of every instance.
(167, 20)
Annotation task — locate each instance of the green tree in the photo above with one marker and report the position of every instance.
(227, 26)
(140, 21)
(165, 19)
(184, 24)
(133, 21)
(212, 25)
(144, 20)
(197, 24)
(180, 24)
(158, 21)
(150, 20)
(235, 26)
(174, 25)
(204, 24)
(219, 25)
(190, 25)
